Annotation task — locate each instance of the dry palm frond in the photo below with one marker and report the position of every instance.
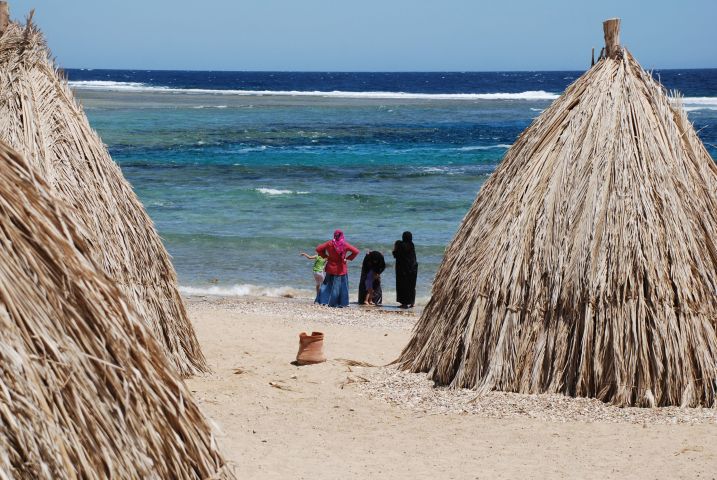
(85, 391)
(351, 380)
(354, 363)
(280, 386)
(40, 118)
(587, 264)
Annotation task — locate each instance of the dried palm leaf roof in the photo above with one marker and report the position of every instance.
(85, 391)
(587, 264)
(40, 118)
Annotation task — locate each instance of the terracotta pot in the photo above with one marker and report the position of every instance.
(310, 348)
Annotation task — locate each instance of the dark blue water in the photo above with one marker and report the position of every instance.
(242, 170)
(692, 83)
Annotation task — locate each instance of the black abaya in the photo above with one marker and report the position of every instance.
(406, 270)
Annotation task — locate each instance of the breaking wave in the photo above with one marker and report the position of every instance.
(483, 147)
(700, 101)
(275, 191)
(108, 85)
(247, 290)
(143, 87)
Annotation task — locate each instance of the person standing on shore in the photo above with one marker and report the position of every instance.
(334, 290)
(406, 270)
(318, 268)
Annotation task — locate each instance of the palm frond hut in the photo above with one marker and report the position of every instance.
(587, 264)
(85, 391)
(40, 118)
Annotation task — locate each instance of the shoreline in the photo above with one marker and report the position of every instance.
(304, 308)
(299, 295)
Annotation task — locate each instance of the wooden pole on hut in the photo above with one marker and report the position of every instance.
(611, 28)
(4, 17)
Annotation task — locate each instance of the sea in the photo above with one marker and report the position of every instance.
(242, 171)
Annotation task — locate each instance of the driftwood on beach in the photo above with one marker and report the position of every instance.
(587, 264)
(40, 118)
(85, 390)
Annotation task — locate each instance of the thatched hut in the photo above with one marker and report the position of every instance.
(587, 264)
(40, 118)
(85, 391)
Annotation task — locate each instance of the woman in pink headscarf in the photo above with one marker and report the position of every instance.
(334, 292)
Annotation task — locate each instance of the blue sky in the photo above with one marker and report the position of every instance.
(369, 35)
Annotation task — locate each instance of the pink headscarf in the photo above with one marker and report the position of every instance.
(338, 242)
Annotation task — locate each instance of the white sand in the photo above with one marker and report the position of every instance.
(282, 421)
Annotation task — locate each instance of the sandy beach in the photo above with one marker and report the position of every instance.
(339, 420)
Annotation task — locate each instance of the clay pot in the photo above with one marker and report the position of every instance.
(310, 348)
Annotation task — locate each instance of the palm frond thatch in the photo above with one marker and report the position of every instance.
(40, 118)
(587, 264)
(85, 391)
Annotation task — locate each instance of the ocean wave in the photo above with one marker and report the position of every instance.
(106, 85)
(446, 170)
(142, 87)
(109, 85)
(465, 171)
(696, 108)
(483, 147)
(247, 290)
(274, 191)
(699, 101)
(260, 148)
(692, 104)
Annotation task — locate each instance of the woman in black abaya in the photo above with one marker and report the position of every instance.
(406, 270)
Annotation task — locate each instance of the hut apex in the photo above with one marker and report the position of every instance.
(587, 264)
(40, 118)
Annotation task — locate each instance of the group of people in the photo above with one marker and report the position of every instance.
(330, 271)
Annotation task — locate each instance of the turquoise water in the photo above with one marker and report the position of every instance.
(238, 185)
